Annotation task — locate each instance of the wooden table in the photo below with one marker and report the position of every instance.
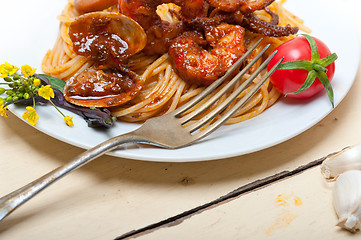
(235, 198)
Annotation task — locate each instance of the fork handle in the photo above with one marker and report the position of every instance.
(13, 200)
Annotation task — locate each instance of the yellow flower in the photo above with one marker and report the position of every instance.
(3, 73)
(27, 71)
(46, 92)
(7, 69)
(3, 111)
(37, 82)
(69, 121)
(31, 115)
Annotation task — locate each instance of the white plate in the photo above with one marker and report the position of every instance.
(29, 29)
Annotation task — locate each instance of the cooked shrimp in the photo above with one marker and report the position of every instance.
(195, 64)
(228, 43)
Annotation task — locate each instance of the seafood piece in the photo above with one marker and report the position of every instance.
(227, 41)
(160, 33)
(195, 64)
(254, 5)
(274, 17)
(227, 5)
(201, 23)
(256, 25)
(96, 88)
(160, 37)
(192, 62)
(84, 6)
(250, 21)
(242, 12)
(245, 6)
(193, 8)
(106, 38)
(144, 11)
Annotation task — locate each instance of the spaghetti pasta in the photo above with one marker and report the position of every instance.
(163, 89)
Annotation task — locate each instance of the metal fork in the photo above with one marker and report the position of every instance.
(167, 131)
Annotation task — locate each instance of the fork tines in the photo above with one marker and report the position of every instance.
(211, 115)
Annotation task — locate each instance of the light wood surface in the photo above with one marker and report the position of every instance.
(113, 196)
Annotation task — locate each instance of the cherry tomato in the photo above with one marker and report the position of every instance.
(290, 80)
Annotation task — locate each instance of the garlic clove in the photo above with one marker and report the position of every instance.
(351, 223)
(347, 159)
(347, 200)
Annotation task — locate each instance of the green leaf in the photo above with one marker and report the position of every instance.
(308, 82)
(299, 64)
(55, 82)
(314, 51)
(326, 83)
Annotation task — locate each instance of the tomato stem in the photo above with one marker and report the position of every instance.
(326, 83)
(314, 50)
(318, 67)
(307, 83)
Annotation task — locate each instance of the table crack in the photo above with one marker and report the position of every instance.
(247, 188)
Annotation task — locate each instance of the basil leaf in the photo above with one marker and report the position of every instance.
(54, 82)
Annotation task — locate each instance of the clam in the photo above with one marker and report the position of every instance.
(97, 88)
(107, 39)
